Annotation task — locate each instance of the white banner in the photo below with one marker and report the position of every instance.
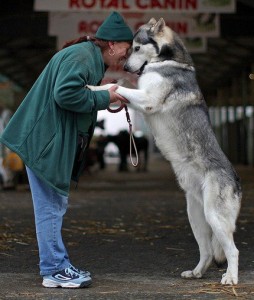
(170, 6)
(73, 25)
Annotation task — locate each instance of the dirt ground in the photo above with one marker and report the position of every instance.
(131, 231)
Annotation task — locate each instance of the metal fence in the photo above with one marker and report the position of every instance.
(234, 129)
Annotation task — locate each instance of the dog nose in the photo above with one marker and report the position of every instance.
(126, 68)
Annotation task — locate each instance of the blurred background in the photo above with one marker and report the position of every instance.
(219, 34)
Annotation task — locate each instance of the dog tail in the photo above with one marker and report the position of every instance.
(218, 253)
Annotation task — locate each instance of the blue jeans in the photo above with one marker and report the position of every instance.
(49, 209)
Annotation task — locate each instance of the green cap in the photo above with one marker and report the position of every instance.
(114, 28)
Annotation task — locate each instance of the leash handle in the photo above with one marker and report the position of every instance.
(132, 141)
(117, 109)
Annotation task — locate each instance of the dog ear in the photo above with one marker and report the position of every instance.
(152, 21)
(159, 26)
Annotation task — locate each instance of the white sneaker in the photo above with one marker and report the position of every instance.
(66, 278)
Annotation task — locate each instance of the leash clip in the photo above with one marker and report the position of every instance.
(127, 114)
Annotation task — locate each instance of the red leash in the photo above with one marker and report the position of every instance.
(132, 141)
(116, 110)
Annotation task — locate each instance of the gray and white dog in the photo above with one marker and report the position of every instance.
(169, 97)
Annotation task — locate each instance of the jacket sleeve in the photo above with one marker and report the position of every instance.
(70, 93)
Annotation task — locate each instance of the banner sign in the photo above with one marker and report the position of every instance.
(165, 6)
(73, 25)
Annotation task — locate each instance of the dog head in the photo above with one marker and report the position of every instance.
(154, 42)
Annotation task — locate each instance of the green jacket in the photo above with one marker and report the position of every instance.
(44, 129)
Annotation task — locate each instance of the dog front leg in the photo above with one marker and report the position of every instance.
(99, 87)
(138, 99)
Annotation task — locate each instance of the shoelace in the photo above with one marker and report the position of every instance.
(70, 272)
(74, 269)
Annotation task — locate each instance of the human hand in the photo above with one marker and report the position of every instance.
(114, 96)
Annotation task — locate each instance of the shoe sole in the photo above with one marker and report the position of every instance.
(48, 283)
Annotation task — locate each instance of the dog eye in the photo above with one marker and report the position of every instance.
(136, 48)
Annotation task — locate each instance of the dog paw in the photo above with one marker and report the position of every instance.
(191, 274)
(187, 274)
(229, 279)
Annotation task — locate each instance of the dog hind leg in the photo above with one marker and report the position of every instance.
(202, 233)
(221, 210)
(219, 255)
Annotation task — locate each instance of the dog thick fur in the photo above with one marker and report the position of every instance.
(169, 97)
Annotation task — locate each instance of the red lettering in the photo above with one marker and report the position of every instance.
(88, 28)
(180, 4)
(82, 27)
(94, 26)
(170, 3)
(74, 3)
(139, 5)
(88, 5)
(112, 4)
(191, 4)
(125, 5)
(81, 3)
(171, 25)
(178, 27)
(156, 4)
(182, 28)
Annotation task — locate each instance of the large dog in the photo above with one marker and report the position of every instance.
(169, 97)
